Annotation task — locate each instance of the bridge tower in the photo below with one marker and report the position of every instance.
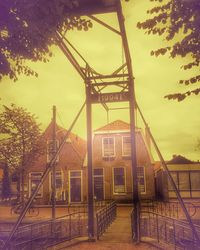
(97, 86)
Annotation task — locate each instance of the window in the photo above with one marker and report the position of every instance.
(98, 183)
(119, 180)
(59, 180)
(141, 179)
(184, 181)
(34, 180)
(108, 146)
(75, 194)
(50, 151)
(175, 178)
(59, 185)
(195, 180)
(126, 146)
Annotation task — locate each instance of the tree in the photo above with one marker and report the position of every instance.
(178, 21)
(21, 142)
(27, 31)
(6, 190)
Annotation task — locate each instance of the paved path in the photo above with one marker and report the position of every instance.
(120, 229)
(116, 237)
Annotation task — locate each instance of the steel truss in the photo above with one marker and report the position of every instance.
(96, 86)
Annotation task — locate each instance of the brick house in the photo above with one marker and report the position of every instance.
(111, 163)
(70, 171)
(186, 175)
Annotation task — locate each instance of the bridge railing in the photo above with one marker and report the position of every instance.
(45, 233)
(170, 209)
(167, 232)
(104, 217)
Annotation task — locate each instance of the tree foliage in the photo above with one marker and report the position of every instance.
(27, 30)
(178, 21)
(6, 189)
(21, 142)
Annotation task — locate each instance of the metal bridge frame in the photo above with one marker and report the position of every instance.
(95, 86)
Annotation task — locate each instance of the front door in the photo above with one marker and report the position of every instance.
(98, 184)
(75, 186)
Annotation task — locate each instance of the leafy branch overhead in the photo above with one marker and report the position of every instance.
(27, 30)
(178, 21)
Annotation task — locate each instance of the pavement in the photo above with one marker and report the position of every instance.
(117, 237)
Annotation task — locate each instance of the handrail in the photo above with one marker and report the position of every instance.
(167, 232)
(52, 231)
(184, 223)
(104, 217)
(169, 208)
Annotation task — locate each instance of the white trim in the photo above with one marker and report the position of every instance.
(69, 176)
(113, 180)
(103, 181)
(145, 187)
(123, 145)
(30, 186)
(62, 179)
(102, 146)
(115, 131)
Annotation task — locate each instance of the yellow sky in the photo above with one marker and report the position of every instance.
(174, 125)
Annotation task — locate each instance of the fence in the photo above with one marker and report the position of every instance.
(167, 232)
(104, 217)
(40, 235)
(171, 209)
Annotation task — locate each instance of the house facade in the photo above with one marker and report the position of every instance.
(186, 175)
(112, 174)
(70, 170)
(112, 163)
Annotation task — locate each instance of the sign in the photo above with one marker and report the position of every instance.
(110, 97)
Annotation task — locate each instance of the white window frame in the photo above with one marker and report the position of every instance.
(113, 178)
(50, 178)
(108, 137)
(69, 181)
(57, 146)
(103, 181)
(125, 136)
(144, 180)
(38, 195)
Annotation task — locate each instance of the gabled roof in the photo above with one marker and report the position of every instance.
(78, 144)
(179, 159)
(116, 125)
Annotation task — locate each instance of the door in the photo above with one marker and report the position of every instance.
(75, 186)
(98, 184)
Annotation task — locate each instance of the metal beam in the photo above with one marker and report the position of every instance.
(104, 24)
(108, 76)
(132, 121)
(44, 176)
(111, 83)
(89, 163)
(70, 56)
(170, 177)
(53, 176)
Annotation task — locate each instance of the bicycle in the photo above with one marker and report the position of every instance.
(18, 207)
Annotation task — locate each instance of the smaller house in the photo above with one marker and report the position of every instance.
(186, 175)
(70, 172)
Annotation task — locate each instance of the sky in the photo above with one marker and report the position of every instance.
(174, 125)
